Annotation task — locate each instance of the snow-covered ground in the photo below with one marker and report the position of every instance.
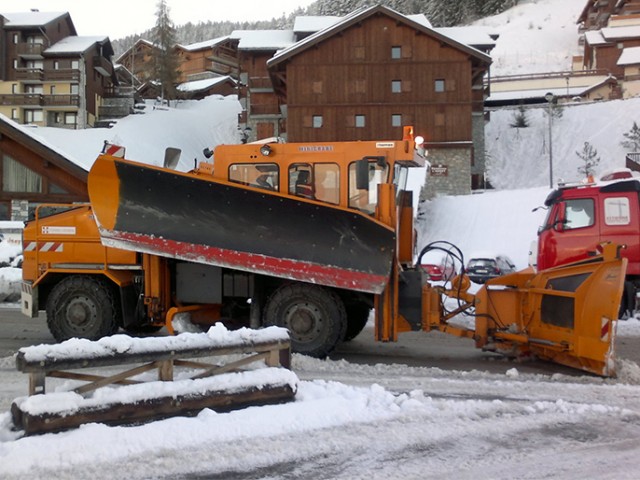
(388, 421)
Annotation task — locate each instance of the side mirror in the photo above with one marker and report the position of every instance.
(561, 218)
(362, 174)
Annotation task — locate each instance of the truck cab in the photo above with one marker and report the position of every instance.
(582, 217)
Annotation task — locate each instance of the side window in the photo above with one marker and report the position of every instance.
(617, 211)
(259, 175)
(579, 213)
(366, 199)
(319, 182)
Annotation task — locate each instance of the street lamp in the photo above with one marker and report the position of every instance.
(549, 97)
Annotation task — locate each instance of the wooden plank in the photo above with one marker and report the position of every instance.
(155, 409)
(111, 359)
(217, 370)
(115, 378)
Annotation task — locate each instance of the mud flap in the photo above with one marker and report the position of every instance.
(566, 314)
(201, 219)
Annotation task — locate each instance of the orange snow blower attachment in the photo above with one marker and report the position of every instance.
(566, 314)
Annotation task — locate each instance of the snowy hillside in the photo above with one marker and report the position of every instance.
(519, 157)
(535, 36)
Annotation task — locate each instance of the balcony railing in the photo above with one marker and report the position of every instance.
(260, 83)
(31, 50)
(61, 100)
(103, 66)
(66, 74)
(29, 74)
(265, 109)
(29, 99)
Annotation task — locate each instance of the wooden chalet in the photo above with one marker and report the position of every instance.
(138, 59)
(31, 172)
(375, 71)
(611, 28)
(217, 56)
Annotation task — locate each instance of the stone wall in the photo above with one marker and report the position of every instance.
(450, 170)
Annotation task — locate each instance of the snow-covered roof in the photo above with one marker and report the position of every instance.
(30, 19)
(311, 24)
(75, 44)
(202, 45)
(421, 19)
(197, 85)
(263, 39)
(362, 13)
(468, 35)
(629, 56)
(618, 33)
(594, 37)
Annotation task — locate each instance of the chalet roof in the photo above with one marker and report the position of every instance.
(361, 14)
(629, 56)
(203, 45)
(476, 37)
(312, 24)
(594, 38)
(263, 39)
(25, 136)
(539, 93)
(76, 44)
(127, 52)
(619, 33)
(31, 19)
(205, 84)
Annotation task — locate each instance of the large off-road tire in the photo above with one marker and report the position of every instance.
(81, 306)
(314, 316)
(357, 318)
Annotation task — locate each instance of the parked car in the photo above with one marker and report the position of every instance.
(439, 272)
(482, 268)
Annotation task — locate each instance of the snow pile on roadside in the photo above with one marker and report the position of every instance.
(10, 284)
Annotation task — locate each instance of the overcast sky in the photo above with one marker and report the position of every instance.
(118, 18)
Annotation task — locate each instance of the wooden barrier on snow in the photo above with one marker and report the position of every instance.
(184, 386)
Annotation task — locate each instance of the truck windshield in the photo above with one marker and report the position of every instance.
(400, 176)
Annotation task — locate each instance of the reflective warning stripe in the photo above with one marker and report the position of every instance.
(604, 329)
(115, 151)
(44, 247)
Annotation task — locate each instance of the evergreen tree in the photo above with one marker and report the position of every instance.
(520, 119)
(632, 141)
(165, 59)
(589, 155)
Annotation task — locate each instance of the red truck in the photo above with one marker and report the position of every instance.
(581, 216)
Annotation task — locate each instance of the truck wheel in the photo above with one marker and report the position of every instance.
(357, 318)
(81, 306)
(314, 316)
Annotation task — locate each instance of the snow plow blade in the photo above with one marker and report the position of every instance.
(566, 314)
(197, 218)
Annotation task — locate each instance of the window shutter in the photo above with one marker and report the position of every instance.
(406, 85)
(307, 121)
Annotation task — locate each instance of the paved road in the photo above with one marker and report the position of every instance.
(433, 349)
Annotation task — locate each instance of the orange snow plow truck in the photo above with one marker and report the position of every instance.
(310, 237)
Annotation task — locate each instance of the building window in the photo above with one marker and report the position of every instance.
(52, 90)
(396, 52)
(75, 64)
(33, 116)
(15, 63)
(360, 121)
(15, 88)
(70, 118)
(56, 65)
(74, 89)
(396, 86)
(438, 85)
(18, 178)
(15, 38)
(14, 113)
(396, 120)
(317, 121)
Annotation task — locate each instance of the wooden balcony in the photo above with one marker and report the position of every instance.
(103, 66)
(29, 74)
(30, 50)
(22, 99)
(265, 109)
(62, 75)
(262, 84)
(61, 100)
